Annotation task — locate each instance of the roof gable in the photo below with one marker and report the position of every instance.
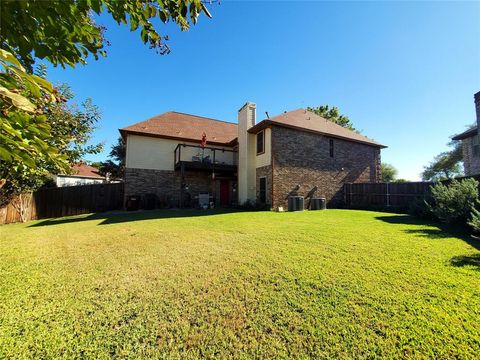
(308, 121)
(466, 134)
(182, 126)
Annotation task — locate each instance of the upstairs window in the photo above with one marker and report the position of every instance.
(260, 142)
(476, 146)
(331, 148)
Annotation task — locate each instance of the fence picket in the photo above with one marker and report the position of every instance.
(70, 200)
(391, 195)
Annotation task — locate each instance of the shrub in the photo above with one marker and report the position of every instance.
(421, 208)
(475, 221)
(454, 202)
(253, 206)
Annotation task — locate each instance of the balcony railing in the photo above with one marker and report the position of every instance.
(194, 157)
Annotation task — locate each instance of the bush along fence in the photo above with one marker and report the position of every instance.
(63, 201)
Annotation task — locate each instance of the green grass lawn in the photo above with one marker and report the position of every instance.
(336, 283)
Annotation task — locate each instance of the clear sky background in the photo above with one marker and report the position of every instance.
(404, 72)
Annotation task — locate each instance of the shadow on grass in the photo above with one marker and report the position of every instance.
(122, 217)
(466, 260)
(435, 230)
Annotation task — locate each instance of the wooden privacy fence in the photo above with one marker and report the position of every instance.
(385, 195)
(64, 201)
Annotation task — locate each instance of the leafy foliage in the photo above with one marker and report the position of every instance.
(475, 220)
(119, 152)
(64, 32)
(24, 129)
(38, 133)
(446, 165)
(421, 208)
(332, 114)
(69, 132)
(72, 126)
(389, 173)
(453, 202)
(115, 166)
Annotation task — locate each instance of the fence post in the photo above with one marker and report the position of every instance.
(388, 194)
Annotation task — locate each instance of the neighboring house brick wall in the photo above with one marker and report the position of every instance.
(265, 171)
(471, 163)
(302, 166)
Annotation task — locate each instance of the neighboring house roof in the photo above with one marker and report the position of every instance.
(302, 119)
(84, 171)
(180, 126)
(466, 134)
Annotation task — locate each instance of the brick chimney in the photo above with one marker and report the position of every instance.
(477, 109)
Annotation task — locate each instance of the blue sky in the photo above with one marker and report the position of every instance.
(404, 72)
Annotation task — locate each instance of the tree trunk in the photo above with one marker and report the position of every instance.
(22, 204)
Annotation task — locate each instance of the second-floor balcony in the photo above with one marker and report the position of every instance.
(195, 157)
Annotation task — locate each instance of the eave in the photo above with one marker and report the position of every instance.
(124, 133)
(268, 123)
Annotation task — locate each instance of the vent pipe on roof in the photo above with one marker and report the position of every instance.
(266, 113)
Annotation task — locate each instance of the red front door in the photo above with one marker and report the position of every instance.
(224, 193)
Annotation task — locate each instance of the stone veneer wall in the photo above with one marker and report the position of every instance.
(265, 171)
(165, 184)
(302, 166)
(471, 163)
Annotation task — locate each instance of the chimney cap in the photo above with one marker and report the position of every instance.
(248, 104)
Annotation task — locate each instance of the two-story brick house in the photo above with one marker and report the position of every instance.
(295, 153)
(471, 143)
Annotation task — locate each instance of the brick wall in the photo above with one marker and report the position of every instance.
(166, 184)
(302, 166)
(471, 163)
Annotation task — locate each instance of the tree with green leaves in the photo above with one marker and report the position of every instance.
(62, 32)
(70, 134)
(445, 165)
(72, 126)
(333, 114)
(389, 172)
(115, 166)
(24, 129)
(119, 152)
